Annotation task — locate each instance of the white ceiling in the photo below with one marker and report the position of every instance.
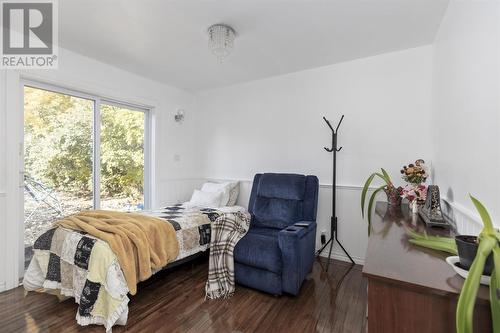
(167, 41)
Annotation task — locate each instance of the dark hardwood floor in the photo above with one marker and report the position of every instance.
(173, 301)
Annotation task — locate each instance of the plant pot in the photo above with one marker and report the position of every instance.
(467, 249)
(393, 196)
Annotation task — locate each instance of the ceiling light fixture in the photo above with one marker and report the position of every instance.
(221, 40)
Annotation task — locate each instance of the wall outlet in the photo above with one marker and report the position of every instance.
(323, 237)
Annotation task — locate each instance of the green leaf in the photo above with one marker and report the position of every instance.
(370, 205)
(363, 193)
(386, 177)
(494, 287)
(435, 245)
(446, 244)
(485, 216)
(415, 235)
(378, 174)
(467, 299)
(412, 233)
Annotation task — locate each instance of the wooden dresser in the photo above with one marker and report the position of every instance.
(412, 289)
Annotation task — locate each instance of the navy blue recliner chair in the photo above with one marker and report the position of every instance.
(276, 254)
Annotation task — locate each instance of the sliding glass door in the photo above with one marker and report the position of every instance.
(58, 133)
(81, 152)
(122, 157)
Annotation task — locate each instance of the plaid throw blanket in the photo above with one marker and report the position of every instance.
(227, 230)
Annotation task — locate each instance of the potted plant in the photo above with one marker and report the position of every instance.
(473, 252)
(393, 193)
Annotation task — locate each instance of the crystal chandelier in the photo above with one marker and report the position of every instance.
(221, 40)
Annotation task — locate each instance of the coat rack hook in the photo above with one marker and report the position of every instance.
(340, 122)
(328, 123)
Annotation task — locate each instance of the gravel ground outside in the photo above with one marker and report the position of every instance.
(44, 215)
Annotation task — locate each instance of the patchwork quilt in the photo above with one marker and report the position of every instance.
(78, 265)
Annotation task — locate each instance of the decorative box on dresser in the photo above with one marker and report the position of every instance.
(412, 289)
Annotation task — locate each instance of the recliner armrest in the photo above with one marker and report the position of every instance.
(297, 246)
(297, 231)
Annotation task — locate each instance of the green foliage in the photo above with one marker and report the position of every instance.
(122, 151)
(485, 216)
(489, 239)
(388, 183)
(494, 287)
(467, 299)
(58, 144)
(446, 244)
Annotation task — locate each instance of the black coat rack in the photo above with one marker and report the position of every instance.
(333, 219)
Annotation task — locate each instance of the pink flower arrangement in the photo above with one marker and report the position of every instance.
(415, 173)
(415, 192)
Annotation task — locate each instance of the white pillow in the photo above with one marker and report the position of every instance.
(224, 188)
(206, 199)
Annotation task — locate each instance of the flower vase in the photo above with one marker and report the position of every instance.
(393, 196)
(414, 206)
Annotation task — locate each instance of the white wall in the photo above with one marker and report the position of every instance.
(439, 102)
(275, 125)
(466, 107)
(87, 75)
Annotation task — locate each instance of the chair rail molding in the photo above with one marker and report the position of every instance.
(339, 186)
(352, 226)
(467, 222)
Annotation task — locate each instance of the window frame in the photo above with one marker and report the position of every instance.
(96, 135)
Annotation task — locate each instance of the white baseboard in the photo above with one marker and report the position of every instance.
(2, 286)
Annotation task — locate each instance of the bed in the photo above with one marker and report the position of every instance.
(62, 264)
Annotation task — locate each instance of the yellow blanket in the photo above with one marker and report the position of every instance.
(141, 243)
